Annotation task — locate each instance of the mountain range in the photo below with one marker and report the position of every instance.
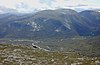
(59, 23)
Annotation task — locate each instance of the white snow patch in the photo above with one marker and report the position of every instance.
(57, 30)
(45, 20)
(67, 24)
(35, 26)
(98, 11)
(28, 23)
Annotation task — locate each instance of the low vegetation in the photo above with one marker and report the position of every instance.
(26, 55)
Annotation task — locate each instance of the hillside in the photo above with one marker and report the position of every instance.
(60, 23)
(25, 55)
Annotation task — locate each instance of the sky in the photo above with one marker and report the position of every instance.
(30, 5)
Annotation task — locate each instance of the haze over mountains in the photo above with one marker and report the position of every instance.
(62, 23)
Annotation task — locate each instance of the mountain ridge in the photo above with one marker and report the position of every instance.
(47, 24)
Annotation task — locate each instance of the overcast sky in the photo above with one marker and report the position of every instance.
(29, 5)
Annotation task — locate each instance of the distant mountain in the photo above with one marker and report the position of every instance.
(60, 23)
(93, 17)
(7, 10)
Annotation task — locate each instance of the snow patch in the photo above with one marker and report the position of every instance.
(28, 23)
(98, 11)
(35, 26)
(67, 24)
(57, 30)
(46, 20)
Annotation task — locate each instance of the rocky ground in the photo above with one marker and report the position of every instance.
(25, 55)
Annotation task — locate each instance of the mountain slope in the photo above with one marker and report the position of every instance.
(60, 23)
(93, 18)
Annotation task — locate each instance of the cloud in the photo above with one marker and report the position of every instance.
(9, 3)
(65, 3)
(7, 10)
(30, 5)
(24, 5)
